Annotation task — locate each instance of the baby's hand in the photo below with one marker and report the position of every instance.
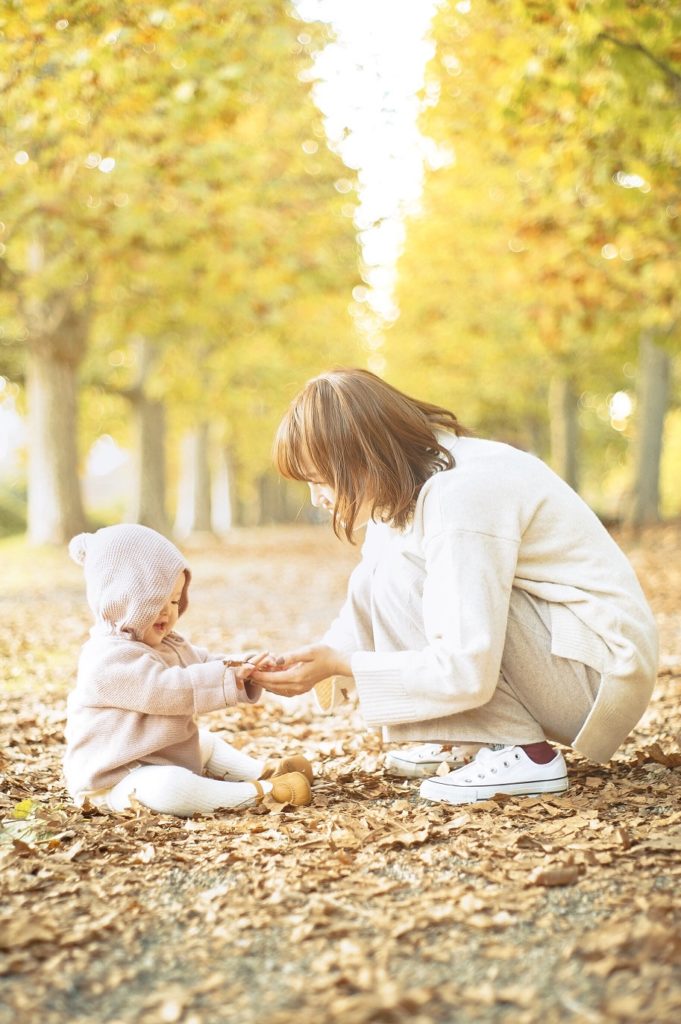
(243, 670)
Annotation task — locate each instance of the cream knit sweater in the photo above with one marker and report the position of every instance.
(500, 519)
(134, 704)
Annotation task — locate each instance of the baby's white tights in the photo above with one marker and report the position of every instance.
(220, 759)
(169, 789)
(172, 790)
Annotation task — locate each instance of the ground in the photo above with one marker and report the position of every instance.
(369, 906)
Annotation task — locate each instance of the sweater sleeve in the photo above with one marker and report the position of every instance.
(251, 692)
(125, 679)
(351, 630)
(469, 575)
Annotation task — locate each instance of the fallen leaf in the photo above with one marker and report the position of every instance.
(23, 929)
(23, 809)
(404, 838)
(146, 854)
(566, 875)
(671, 843)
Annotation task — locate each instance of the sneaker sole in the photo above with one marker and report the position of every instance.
(409, 770)
(433, 789)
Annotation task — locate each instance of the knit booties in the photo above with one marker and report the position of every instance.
(294, 763)
(292, 788)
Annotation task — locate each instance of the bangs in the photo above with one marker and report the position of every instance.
(352, 431)
(299, 451)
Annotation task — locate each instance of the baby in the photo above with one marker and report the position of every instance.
(131, 722)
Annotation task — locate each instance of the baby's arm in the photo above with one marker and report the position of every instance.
(142, 682)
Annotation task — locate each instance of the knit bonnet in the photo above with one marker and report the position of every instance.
(130, 572)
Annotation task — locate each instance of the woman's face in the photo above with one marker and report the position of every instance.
(324, 496)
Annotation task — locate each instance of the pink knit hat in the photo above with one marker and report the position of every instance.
(130, 572)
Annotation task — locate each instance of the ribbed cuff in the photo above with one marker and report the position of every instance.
(383, 697)
(208, 682)
(229, 688)
(571, 638)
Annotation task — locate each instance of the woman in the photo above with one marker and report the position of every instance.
(490, 605)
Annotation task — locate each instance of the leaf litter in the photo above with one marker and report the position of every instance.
(368, 906)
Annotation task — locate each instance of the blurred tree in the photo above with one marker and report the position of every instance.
(653, 396)
(148, 501)
(194, 512)
(622, 62)
(552, 218)
(172, 166)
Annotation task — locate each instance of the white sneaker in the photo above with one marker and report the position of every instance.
(508, 770)
(422, 761)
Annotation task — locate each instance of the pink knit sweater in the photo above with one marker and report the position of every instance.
(135, 704)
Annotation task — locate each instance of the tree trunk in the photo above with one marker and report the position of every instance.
(268, 500)
(653, 397)
(55, 509)
(275, 504)
(148, 498)
(223, 494)
(194, 502)
(58, 335)
(148, 501)
(563, 408)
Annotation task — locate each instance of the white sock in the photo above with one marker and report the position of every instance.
(221, 759)
(169, 789)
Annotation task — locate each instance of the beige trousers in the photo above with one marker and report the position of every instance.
(539, 696)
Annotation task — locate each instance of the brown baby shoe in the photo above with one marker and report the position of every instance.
(294, 763)
(292, 788)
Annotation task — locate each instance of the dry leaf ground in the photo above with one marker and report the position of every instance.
(369, 906)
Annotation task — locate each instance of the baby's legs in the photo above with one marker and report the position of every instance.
(220, 759)
(168, 789)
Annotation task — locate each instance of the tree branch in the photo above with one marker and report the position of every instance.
(669, 72)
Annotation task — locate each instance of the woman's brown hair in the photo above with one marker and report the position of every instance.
(356, 433)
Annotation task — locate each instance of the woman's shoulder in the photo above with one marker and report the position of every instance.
(487, 448)
(492, 488)
(479, 462)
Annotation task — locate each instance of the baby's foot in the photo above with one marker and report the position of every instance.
(291, 788)
(293, 763)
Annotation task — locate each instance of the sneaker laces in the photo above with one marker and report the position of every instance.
(482, 761)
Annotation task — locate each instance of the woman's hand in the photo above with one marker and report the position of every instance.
(298, 671)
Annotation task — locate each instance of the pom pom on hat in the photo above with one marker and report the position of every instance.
(78, 547)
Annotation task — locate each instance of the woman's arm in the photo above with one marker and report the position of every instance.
(352, 629)
(466, 594)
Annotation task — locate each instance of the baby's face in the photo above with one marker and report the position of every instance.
(167, 617)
